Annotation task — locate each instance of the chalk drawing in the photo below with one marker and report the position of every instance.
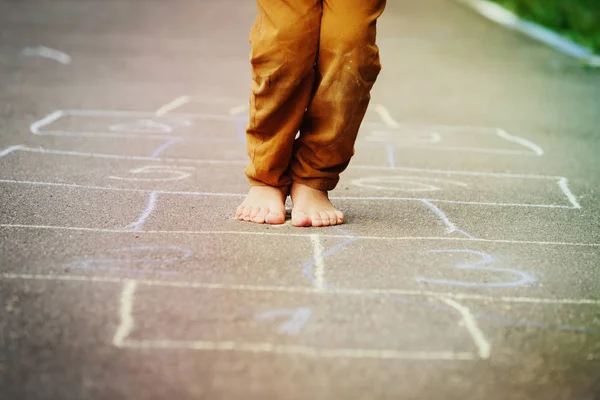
(237, 110)
(522, 278)
(47, 52)
(304, 289)
(172, 105)
(159, 150)
(243, 195)
(289, 234)
(319, 261)
(173, 173)
(450, 227)
(142, 126)
(297, 319)
(126, 324)
(132, 259)
(564, 186)
(407, 183)
(150, 206)
(389, 149)
(470, 324)
(385, 116)
(9, 150)
(519, 140)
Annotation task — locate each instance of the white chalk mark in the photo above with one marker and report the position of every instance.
(297, 319)
(289, 234)
(165, 146)
(47, 120)
(237, 110)
(166, 173)
(9, 150)
(47, 52)
(450, 227)
(389, 149)
(125, 313)
(301, 289)
(385, 116)
(213, 161)
(143, 126)
(319, 261)
(305, 351)
(483, 346)
(519, 140)
(407, 183)
(172, 105)
(564, 186)
(241, 195)
(150, 206)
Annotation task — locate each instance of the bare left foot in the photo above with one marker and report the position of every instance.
(312, 207)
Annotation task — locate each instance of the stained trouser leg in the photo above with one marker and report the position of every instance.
(347, 67)
(284, 42)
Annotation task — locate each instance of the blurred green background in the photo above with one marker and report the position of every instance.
(577, 19)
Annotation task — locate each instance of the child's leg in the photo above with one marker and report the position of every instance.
(347, 67)
(284, 42)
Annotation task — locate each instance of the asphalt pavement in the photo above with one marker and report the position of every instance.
(469, 266)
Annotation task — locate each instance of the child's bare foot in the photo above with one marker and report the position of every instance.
(264, 204)
(313, 208)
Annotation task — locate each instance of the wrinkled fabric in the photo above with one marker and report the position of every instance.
(314, 63)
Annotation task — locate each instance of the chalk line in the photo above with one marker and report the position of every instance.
(165, 146)
(213, 161)
(9, 150)
(389, 149)
(450, 227)
(319, 261)
(150, 206)
(47, 52)
(172, 105)
(125, 313)
(385, 116)
(240, 195)
(237, 110)
(300, 289)
(483, 346)
(521, 141)
(305, 351)
(264, 233)
(564, 186)
(47, 120)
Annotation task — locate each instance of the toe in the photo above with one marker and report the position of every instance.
(332, 218)
(300, 218)
(261, 216)
(239, 210)
(255, 211)
(239, 213)
(324, 218)
(340, 217)
(275, 218)
(246, 213)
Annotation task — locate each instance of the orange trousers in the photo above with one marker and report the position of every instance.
(314, 63)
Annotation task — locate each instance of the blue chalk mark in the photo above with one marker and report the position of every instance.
(297, 319)
(482, 265)
(307, 270)
(165, 146)
(389, 149)
(449, 224)
(114, 264)
(240, 128)
(139, 224)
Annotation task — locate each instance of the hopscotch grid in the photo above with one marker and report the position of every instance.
(141, 221)
(242, 195)
(450, 227)
(470, 324)
(319, 261)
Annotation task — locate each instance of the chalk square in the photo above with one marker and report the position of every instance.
(304, 324)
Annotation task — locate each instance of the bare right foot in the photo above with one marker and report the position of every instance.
(312, 207)
(264, 204)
